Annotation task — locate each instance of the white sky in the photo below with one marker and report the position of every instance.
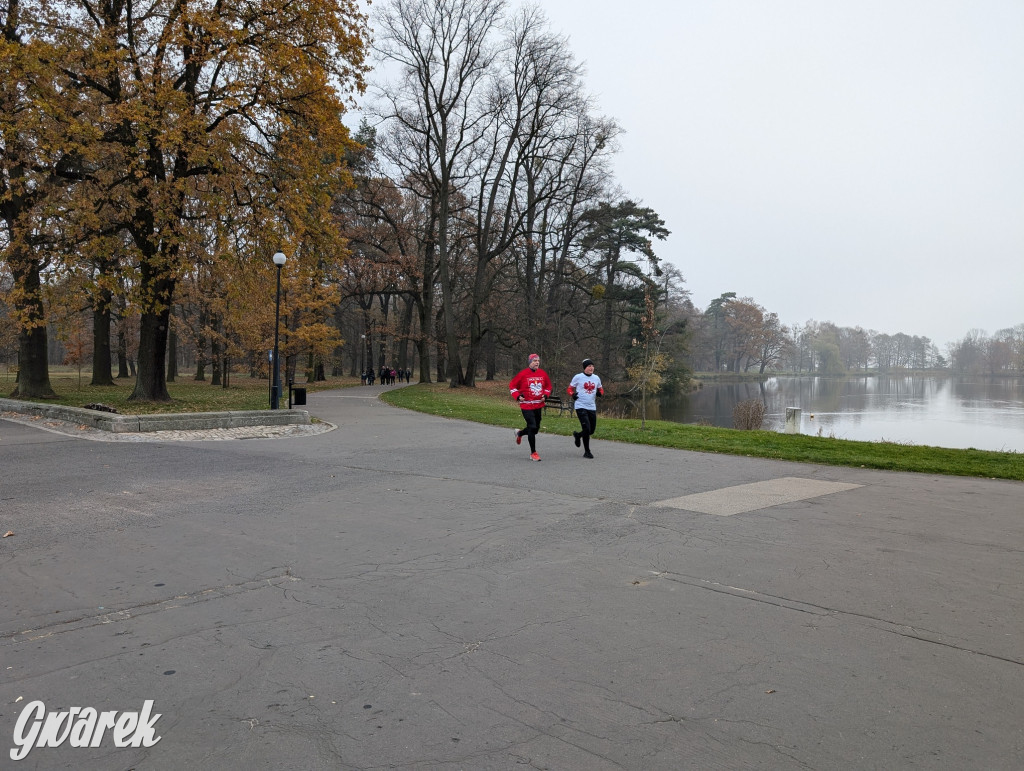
(853, 161)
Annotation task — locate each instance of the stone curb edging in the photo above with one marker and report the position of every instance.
(127, 424)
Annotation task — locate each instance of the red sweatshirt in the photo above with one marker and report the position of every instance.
(534, 385)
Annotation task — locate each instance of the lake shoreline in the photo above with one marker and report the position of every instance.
(946, 410)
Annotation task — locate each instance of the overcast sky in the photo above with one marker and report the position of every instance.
(853, 161)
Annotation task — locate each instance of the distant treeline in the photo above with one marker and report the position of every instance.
(738, 335)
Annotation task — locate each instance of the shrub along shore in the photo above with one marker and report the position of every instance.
(491, 405)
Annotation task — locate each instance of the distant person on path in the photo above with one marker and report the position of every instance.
(584, 389)
(529, 388)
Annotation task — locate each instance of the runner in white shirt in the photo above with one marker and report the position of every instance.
(584, 389)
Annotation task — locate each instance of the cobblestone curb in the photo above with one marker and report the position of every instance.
(119, 424)
(82, 431)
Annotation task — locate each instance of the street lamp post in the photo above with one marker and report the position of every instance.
(275, 393)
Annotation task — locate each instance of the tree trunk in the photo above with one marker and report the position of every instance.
(157, 282)
(357, 350)
(172, 356)
(453, 370)
(101, 360)
(404, 333)
(218, 349)
(476, 329)
(215, 360)
(387, 355)
(423, 341)
(491, 354)
(338, 363)
(33, 368)
(442, 353)
(150, 382)
(425, 307)
(33, 371)
(423, 349)
(122, 351)
(201, 347)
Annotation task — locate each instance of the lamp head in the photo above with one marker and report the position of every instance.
(280, 259)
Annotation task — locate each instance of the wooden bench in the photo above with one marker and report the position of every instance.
(555, 402)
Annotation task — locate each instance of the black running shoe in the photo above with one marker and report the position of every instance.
(587, 455)
(576, 437)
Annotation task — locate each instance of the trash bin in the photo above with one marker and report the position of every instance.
(298, 396)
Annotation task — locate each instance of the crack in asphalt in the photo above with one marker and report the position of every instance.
(156, 606)
(801, 606)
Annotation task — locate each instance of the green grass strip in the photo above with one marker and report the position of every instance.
(489, 408)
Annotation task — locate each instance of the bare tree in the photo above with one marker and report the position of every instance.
(499, 139)
(443, 53)
(534, 175)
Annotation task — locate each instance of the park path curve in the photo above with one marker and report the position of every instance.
(412, 591)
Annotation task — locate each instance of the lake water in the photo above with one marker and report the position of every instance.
(984, 413)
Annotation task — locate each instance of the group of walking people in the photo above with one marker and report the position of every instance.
(532, 386)
(388, 375)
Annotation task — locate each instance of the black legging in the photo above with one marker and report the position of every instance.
(532, 418)
(588, 422)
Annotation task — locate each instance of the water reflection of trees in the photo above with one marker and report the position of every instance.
(713, 404)
(849, 397)
(980, 391)
(868, 408)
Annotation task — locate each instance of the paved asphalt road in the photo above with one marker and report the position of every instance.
(412, 592)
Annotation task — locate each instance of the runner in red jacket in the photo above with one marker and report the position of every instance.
(529, 388)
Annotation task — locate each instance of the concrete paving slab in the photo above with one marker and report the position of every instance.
(740, 499)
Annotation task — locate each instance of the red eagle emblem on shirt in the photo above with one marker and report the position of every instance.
(589, 387)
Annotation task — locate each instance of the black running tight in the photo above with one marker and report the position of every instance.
(532, 418)
(588, 424)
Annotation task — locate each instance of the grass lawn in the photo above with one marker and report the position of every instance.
(244, 393)
(489, 403)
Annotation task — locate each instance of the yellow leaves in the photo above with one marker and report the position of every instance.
(317, 337)
(202, 133)
(647, 372)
